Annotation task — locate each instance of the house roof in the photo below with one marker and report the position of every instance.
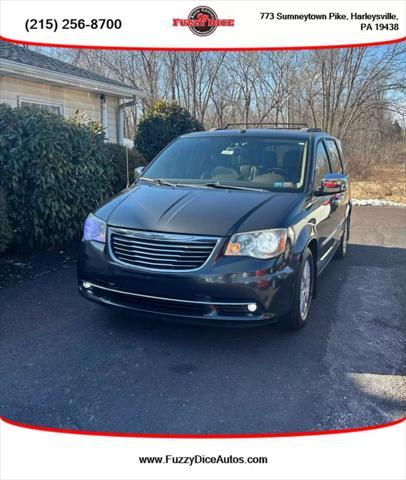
(10, 52)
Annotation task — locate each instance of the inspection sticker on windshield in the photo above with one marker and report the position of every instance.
(227, 151)
(284, 185)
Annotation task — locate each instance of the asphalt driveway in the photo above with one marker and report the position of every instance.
(66, 362)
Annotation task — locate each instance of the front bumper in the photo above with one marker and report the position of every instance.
(220, 291)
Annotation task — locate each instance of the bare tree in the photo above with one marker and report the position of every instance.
(356, 94)
(340, 86)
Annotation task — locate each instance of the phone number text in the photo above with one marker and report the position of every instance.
(72, 24)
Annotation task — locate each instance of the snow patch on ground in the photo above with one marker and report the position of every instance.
(376, 203)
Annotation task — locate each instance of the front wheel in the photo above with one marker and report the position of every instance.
(297, 317)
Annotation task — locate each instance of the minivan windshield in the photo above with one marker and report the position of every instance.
(276, 164)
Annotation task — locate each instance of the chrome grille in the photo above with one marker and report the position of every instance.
(160, 251)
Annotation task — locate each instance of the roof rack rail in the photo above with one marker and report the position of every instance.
(287, 125)
(314, 130)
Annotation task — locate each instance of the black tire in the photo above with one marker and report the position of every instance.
(342, 248)
(297, 317)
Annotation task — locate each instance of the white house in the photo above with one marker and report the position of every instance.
(28, 77)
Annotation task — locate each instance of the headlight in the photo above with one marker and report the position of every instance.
(260, 244)
(95, 229)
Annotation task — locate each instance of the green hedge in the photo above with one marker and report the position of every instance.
(118, 162)
(160, 125)
(5, 226)
(53, 172)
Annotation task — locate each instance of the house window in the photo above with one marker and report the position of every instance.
(48, 107)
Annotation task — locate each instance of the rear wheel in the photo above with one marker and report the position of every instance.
(342, 248)
(297, 317)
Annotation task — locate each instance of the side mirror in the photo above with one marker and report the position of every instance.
(137, 173)
(333, 183)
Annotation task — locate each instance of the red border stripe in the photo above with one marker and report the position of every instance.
(209, 49)
(203, 436)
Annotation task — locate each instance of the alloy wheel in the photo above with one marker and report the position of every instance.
(345, 238)
(305, 290)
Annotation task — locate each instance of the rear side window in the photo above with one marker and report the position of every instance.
(322, 165)
(334, 156)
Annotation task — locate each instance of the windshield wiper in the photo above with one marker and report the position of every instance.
(234, 187)
(158, 181)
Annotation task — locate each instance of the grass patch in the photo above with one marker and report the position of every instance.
(383, 183)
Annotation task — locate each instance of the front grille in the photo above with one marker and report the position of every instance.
(160, 251)
(158, 305)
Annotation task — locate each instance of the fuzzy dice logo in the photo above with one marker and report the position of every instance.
(203, 21)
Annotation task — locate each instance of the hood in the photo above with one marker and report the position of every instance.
(199, 211)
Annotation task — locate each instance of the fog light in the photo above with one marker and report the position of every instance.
(252, 307)
(87, 285)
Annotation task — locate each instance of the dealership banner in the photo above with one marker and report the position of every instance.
(376, 453)
(161, 24)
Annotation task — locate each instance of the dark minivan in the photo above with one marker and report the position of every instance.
(226, 226)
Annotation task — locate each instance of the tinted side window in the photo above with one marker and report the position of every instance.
(322, 165)
(340, 151)
(334, 156)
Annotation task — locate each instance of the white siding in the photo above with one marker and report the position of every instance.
(11, 89)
